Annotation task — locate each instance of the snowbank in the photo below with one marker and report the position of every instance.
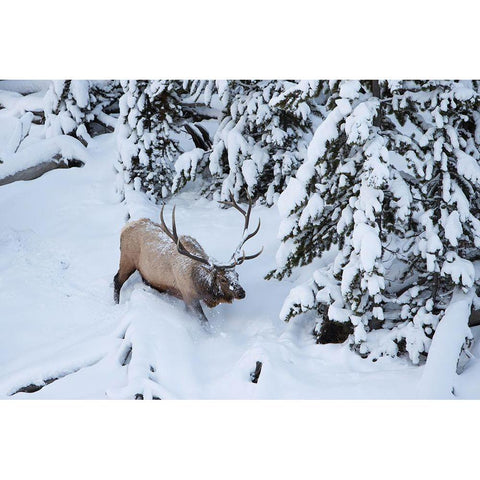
(439, 376)
(60, 238)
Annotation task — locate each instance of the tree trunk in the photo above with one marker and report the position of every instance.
(377, 121)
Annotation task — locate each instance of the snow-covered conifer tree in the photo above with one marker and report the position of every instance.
(68, 109)
(106, 93)
(150, 117)
(389, 185)
(262, 136)
(336, 199)
(437, 124)
(105, 96)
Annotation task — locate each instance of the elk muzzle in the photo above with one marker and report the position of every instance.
(239, 292)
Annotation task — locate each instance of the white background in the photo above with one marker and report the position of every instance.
(228, 440)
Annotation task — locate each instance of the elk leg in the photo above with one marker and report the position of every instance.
(120, 278)
(116, 288)
(197, 309)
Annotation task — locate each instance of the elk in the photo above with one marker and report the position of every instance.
(178, 265)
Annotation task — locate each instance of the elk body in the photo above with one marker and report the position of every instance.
(179, 265)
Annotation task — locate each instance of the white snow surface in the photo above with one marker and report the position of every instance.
(59, 239)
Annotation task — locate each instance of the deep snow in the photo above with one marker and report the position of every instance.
(59, 240)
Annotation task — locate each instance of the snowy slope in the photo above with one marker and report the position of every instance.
(59, 240)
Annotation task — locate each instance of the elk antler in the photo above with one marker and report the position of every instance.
(246, 215)
(173, 235)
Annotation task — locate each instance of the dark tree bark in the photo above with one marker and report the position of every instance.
(377, 121)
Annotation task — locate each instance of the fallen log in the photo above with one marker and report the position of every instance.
(32, 388)
(255, 375)
(38, 170)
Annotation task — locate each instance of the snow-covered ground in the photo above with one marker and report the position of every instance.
(59, 239)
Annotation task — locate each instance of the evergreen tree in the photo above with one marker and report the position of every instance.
(262, 135)
(437, 125)
(148, 127)
(76, 107)
(389, 189)
(68, 109)
(105, 96)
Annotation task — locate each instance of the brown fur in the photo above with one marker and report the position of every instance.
(146, 248)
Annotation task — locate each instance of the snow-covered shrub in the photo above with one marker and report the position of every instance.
(390, 181)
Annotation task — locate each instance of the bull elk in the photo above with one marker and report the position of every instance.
(179, 265)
